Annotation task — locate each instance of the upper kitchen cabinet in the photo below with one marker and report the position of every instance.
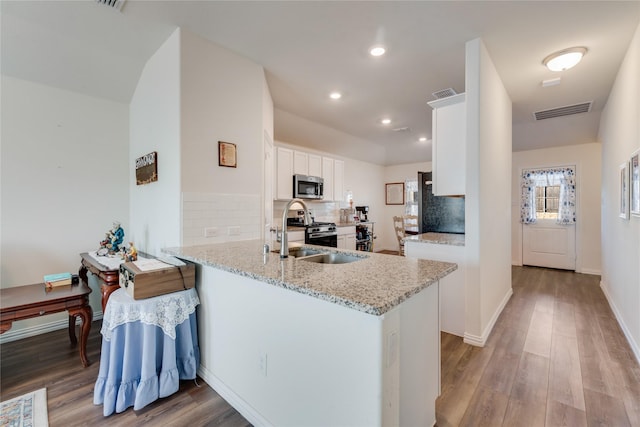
(291, 162)
(284, 173)
(338, 179)
(307, 163)
(327, 175)
(449, 125)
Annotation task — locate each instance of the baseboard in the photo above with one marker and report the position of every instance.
(480, 341)
(42, 328)
(590, 271)
(634, 345)
(233, 399)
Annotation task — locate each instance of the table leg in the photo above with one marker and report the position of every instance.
(107, 290)
(72, 330)
(86, 315)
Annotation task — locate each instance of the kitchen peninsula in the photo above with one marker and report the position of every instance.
(290, 342)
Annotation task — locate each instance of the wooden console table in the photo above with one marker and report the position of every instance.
(109, 277)
(25, 302)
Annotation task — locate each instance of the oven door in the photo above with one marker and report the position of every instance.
(321, 239)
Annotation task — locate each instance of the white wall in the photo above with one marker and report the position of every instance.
(587, 159)
(155, 126)
(620, 136)
(289, 126)
(64, 181)
(396, 173)
(221, 100)
(488, 194)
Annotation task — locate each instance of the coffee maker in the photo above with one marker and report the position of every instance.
(363, 213)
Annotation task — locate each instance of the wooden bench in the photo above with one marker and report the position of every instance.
(25, 302)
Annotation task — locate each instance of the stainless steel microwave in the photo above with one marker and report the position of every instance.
(308, 187)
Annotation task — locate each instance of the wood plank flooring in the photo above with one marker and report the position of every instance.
(556, 357)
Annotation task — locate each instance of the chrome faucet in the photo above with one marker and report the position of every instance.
(284, 245)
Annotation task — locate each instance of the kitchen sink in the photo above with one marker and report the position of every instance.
(331, 258)
(301, 252)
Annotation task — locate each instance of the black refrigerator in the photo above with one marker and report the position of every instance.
(438, 214)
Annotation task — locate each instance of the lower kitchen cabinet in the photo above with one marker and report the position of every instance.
(347, 238)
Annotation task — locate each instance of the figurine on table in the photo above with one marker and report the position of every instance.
(114, 238)
(131, 254)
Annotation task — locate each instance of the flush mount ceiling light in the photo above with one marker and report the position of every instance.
(564, 59)
(377, 50)
(335, 95)
(385, 121)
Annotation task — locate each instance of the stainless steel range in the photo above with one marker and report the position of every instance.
(318, 233)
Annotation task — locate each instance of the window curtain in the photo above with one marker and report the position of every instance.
(565, 177)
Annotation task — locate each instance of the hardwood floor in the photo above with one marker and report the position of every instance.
(556, 357)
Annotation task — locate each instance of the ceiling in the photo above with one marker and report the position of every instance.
(311, 48)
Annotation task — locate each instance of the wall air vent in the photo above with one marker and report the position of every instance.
(114, 4)
(444, 93)
(568, 110)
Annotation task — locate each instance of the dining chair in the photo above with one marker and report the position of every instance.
(398, 225)
(411, 224)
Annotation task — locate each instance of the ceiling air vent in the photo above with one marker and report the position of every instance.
(568, 110)
(402, 129)
(115, 4)
(444, 93)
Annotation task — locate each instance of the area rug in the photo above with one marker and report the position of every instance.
(28, 410)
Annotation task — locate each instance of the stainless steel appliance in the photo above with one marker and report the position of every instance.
(308, 187)
(318, 233)
(363, 213)
(322, 234)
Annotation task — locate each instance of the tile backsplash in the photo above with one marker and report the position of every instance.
(216, 218)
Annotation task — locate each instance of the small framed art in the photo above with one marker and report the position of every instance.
(394, 193)
(634, 183)
(624, 191)
(227, 155)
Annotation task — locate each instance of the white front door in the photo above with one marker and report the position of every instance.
(547, 244)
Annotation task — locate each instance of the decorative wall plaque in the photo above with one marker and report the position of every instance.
(147, 168)
(227, 154)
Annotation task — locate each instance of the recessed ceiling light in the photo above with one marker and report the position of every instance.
(564, 59)
(423, 139)
(335, 95)
(385, 121)
(377, 50)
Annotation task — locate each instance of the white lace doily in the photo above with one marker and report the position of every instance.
(165, 311)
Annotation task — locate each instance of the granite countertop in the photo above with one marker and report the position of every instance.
(373, 285)
(437, 238)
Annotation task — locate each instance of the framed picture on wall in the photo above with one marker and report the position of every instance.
(624, 191)
(394, 193)
(634, 184)
(227, 154)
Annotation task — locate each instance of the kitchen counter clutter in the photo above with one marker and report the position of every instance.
(374, 285)
(437, 238)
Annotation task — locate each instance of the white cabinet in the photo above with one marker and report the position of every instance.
(290, 162)
(284, 173)
(307, 163)
(300, 163)
(347, 238)
(315, 165)
(449, 126)
(338, 179)
(327, 175)
(452, 287)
